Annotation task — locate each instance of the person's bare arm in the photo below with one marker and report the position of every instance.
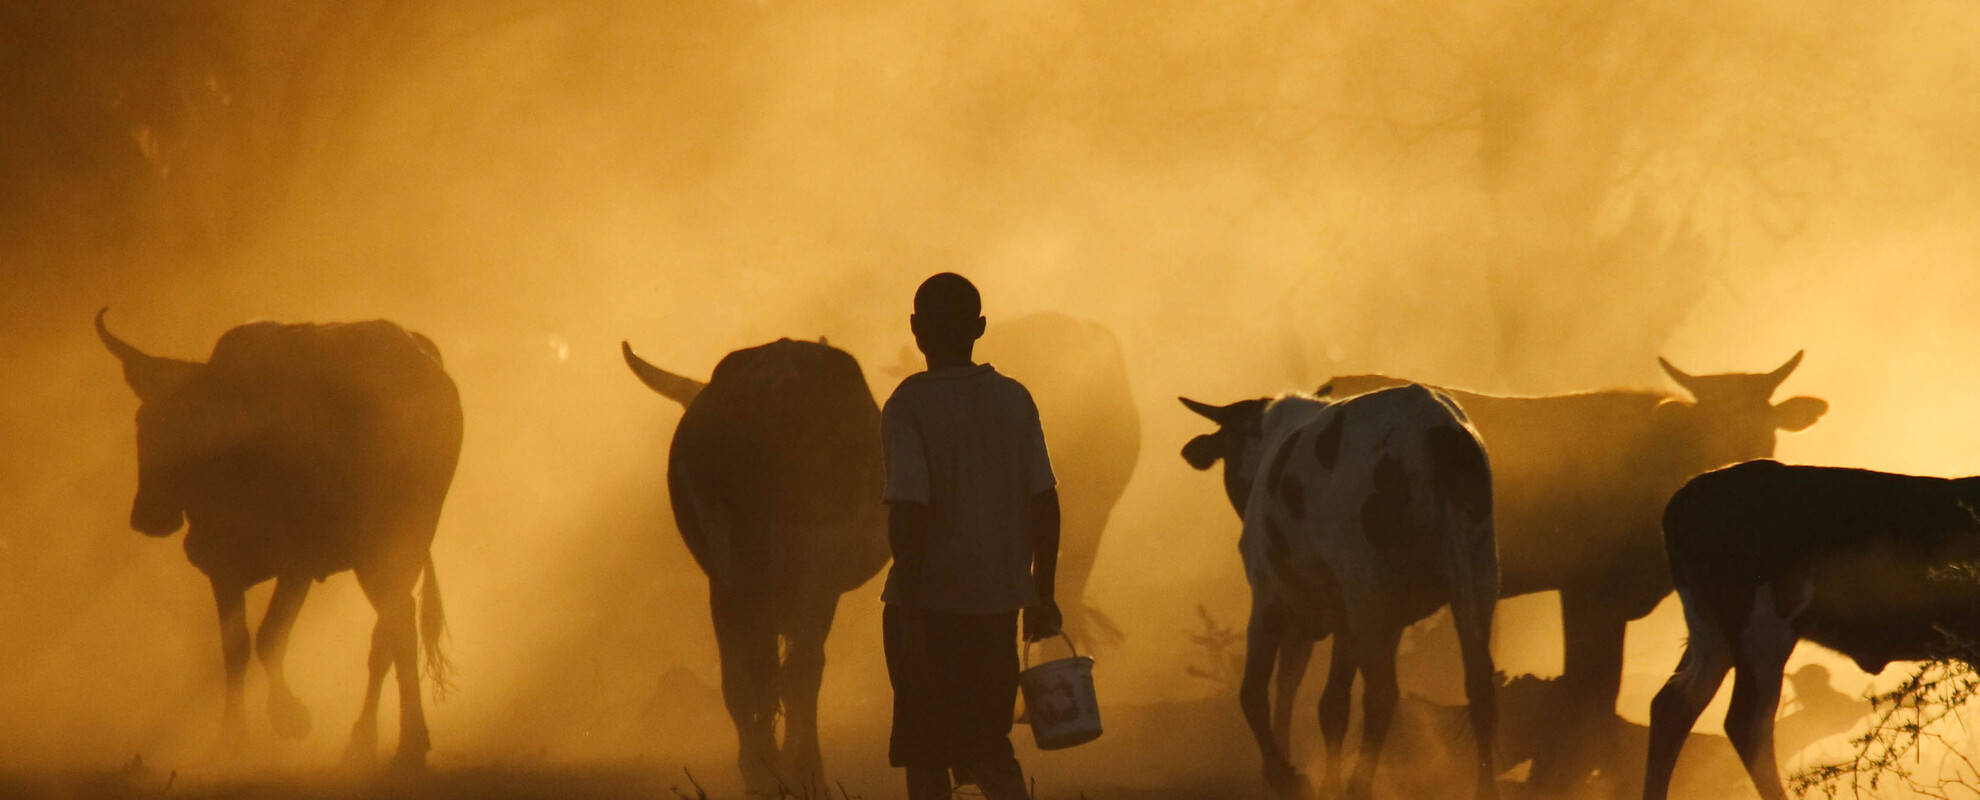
(1044, 620)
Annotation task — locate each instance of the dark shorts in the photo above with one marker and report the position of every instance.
(954, 693)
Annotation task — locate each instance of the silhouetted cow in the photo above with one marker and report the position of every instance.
(1361, 517)
(775, 480)
(1075, 370)
(1581, 481)
(1876, 566)
(296, 452)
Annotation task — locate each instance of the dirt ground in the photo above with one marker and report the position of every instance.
(1151, 752)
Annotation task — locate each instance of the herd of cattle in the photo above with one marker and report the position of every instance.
(298, 451)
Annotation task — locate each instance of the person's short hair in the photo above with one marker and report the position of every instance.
(947, 296)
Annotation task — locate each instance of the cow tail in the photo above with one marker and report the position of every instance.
(432, 629)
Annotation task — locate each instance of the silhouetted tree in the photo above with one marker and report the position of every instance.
(183, 123)
(1621, 153)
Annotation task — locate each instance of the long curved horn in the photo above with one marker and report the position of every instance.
(1781, 372)
(131, 356)
(1215, 414)
(1683, 379)
(147, 375)
(673, 387)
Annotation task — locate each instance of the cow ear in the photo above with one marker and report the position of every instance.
(1797, 413)
(1671, 411)
(1203, 451)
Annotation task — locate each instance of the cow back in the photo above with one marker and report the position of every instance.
(780, 451)
(1875, 565)
(1579, 481)
(1379, 494)
(315, 447)
(1078, 377)
(376, 387)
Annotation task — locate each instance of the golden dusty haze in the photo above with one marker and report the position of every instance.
(1523, 197)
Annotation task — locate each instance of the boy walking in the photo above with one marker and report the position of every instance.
(974, 526)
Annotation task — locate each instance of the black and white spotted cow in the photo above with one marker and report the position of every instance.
(1873, 565)
(1361, 516)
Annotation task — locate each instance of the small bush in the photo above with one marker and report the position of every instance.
(1915, 737)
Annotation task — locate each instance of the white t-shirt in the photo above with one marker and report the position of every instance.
(965, 441)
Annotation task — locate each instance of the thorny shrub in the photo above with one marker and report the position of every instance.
(1223, 650)
(1915, 741)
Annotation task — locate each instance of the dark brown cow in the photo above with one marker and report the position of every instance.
(1876, 566)
(1580, 483)
(296, 452)
(775, 480)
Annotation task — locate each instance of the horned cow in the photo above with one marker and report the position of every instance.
(1873, 565)
(774, 474)
(1360, 517)
(1579, 483)
(293, 453)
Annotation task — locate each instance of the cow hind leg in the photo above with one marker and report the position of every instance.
(1294, 656)
(363, 748)
(1264, 636)
(394, 646)
(802, 673)
(1676, 707)
(1082, 521)
(403, 639)
(231, 601)
(1473, 618)
(1593, 629)
(1592, 650)
(286, 714)
(1376, 653)
(1758, 664)
(746, 643)
(1335, 702)
(1749, 724)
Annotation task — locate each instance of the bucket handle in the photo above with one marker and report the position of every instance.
(1025, 663)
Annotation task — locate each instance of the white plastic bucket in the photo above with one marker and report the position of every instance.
(1059, 700)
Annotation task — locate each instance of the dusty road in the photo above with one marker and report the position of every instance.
(1151, 752)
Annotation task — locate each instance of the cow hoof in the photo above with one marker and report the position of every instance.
(288, 716)
(767, 786)
(230, 748)
(409, 760)
(362, 752)
(1288, 783)
(757, 786)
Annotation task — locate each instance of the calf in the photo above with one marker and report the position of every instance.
(1368, 515)
(1869, 564)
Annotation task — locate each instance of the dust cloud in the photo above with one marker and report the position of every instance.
(1526, 197)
